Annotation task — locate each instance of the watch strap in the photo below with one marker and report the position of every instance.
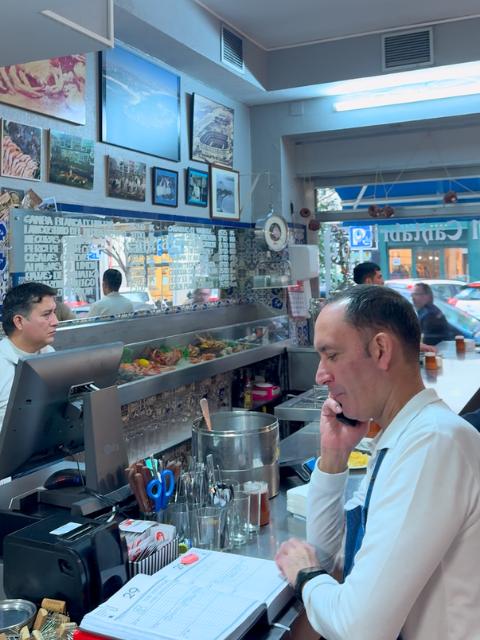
(303, 576)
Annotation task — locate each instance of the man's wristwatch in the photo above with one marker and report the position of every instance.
(303, 576)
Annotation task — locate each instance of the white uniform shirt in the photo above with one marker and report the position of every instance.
(9, 356)
(111, 305)
(417, 571)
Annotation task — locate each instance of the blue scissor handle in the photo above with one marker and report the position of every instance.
(161, 489)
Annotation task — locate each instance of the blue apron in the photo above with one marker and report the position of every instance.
(356, 522)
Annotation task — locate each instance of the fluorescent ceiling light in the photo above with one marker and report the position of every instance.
(466, 70)
(408, 94)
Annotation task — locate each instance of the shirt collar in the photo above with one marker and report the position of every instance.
(388, 438)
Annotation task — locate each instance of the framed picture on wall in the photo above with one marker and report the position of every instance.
(196, 187)
(140, 104)
(126, 179)
(225, 200)
(70, 160)
(164, 187)
(212, 131)
(21, 150)
(53, 87)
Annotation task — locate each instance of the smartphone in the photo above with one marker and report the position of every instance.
(309, 465)
(351, 422)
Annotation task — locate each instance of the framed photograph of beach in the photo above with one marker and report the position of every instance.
(126, 179)
(196, 187)
(140, 104)
(212, 131)
(225, 198)
(70, 160)
(164, 187)
(21, 151)
(53, 87)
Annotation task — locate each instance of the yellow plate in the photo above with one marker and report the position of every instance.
(358, 460)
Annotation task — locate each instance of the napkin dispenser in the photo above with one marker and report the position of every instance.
(77, 560)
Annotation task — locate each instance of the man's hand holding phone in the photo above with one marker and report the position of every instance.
(338, 437)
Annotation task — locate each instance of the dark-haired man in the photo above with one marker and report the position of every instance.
(30, 323)
(433, 324)
(113, 303)
(367, 273)
(408, 541)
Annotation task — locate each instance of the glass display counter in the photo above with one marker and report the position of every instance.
(152, 366)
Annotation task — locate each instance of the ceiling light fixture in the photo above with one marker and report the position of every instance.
(407, 94)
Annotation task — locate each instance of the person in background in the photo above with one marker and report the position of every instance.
(407, 543)
(433, 324)
(29, 322)
(367, 273)
(201, 296)
(63, 311)
(113, 302)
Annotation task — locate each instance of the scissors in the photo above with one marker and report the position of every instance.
(160, 489)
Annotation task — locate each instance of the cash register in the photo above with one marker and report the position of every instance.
(62, 403)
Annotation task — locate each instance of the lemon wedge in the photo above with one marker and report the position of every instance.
(357, 460)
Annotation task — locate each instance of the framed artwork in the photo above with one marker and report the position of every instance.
(126, 179)
(140, 104)
(196, 187)
(164, 187)
(54, 87)
(225, 200)
(16, 195)
(70, 160)
(21, 151)
(212, 131)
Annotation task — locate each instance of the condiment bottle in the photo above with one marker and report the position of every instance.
(460, 344)
(248, 395)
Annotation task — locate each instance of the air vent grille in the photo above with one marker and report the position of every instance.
(411, 49)
(232, 50)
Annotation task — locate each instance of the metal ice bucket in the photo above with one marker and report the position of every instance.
(244, 444)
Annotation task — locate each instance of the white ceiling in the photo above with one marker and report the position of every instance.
(274, 24)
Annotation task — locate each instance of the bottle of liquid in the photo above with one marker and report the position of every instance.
(248, 394)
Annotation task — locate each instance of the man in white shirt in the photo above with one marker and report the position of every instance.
(30, 323)
(408, 541)
(113, 303)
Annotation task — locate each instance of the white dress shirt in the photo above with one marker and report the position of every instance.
(418, 569)
(111, 305)
(9, 356)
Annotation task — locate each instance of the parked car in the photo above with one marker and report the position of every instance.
(459, 321)
(444, 289)
(141, 300)
(468, 299)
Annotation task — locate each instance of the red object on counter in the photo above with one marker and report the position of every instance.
(264, 392)
(79, 634)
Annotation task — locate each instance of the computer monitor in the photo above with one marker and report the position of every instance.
(49, 408)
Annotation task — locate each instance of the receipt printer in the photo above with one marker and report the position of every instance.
(67, 558)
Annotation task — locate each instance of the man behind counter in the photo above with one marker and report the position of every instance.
(113, 302)
(408, 541)
(30, 323)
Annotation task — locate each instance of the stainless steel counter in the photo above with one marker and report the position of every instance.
(304, 407)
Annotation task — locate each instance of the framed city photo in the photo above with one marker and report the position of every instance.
(164, 187)
(70, 160)
(126, 179)
(21, 151)
(212, 131)
(196, 187)
(140, 104)
(225, 200)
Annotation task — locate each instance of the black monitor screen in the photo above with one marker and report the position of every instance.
(41, 424)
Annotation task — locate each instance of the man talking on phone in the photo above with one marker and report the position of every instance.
(406, 547)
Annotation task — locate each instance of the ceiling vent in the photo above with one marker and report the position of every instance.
(232, 50)
(407, 50)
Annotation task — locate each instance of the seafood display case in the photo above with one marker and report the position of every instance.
(165, 351)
